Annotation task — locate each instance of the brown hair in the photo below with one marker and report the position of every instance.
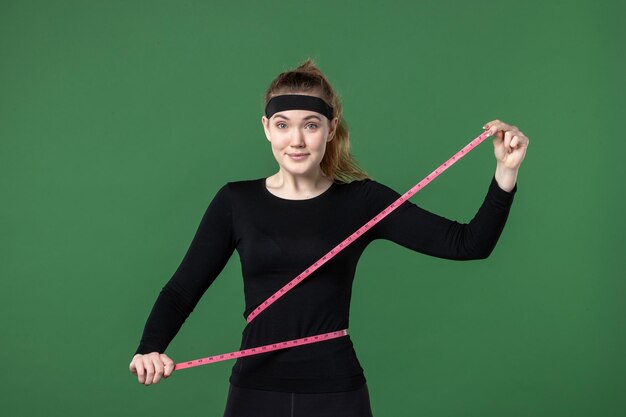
(337, 163)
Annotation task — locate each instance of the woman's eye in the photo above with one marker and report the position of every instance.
(279, 124)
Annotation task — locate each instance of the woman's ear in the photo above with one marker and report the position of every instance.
(333, 128)
(265, 123)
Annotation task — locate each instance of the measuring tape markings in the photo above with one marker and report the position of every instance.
(325, 258)
(262, 349)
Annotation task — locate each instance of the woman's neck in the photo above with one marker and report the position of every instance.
(299, 186)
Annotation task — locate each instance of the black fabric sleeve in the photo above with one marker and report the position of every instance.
(420, 230)
(208, 253)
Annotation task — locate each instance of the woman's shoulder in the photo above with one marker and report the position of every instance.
(369, 185)
(244, 185)
(369, 191)
(245, 182)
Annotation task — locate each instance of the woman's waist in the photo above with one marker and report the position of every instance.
(323, 359)
(270, 330)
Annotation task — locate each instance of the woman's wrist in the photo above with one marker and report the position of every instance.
(506, 177)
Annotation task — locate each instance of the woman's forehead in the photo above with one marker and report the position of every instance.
(297, 114)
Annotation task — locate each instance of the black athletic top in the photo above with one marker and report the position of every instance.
(277, 239)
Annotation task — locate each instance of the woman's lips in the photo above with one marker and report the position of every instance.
(297, 157)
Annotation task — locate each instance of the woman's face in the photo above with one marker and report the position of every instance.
(299, 132)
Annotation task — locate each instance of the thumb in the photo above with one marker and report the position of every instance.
(168, 365)
(132, 366)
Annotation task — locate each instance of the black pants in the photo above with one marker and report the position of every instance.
(247, 402)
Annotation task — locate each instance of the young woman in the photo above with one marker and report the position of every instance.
(280, 225)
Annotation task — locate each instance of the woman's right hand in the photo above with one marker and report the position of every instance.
(150, 367)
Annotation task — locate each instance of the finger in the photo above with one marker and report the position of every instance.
(495, 126)
(488, 128)
(490, 123)
(168, 368)
(168, 365)
(523, 139)
(491, 126)
(133, 363)
(149, 369)
(158, 371)
(141, 372)
(507, 141)
(515, 141)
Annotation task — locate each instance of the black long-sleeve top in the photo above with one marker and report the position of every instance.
(277, 239)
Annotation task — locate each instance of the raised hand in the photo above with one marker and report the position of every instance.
(509, 147)
(509, 143)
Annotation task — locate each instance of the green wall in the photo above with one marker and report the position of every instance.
(119, 120)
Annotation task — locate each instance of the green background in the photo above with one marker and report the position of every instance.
(119, 120)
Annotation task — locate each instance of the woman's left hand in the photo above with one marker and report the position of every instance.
(509, 143)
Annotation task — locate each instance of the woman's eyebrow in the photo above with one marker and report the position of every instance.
(304, 118)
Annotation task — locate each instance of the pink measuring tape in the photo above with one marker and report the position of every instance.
(322, 261)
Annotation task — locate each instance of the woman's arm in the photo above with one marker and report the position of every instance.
(422, 231)
(208, 253)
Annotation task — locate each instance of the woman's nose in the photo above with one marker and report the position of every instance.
(297, 138)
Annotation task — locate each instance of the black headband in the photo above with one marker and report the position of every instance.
(298, 101)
